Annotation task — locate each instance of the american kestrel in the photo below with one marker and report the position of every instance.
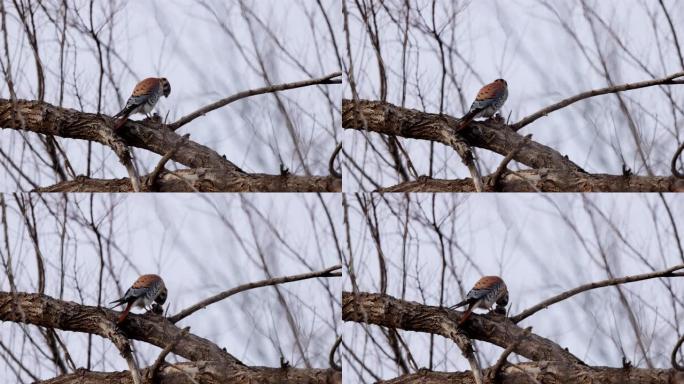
(487, 102)
(487, 291)
(146, 290)
(144, 97)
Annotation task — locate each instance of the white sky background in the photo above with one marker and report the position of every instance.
(523, 42)
(182, 238)
(524, 239)
(183, 41)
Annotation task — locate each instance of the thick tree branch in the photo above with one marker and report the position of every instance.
(546, 180)
(209, 363)
(205, 180)
(207, 372)
(329, 79)
(585, 95)
(333, 271)
(387, 311)
(385, 118)
(548, 372)
(670, 272)
(206, 164)
(44, 311)
(47, 119)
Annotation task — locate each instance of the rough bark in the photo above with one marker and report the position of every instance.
(387, 311)
(548, 180)
(551, 171)
(204, 180)
(207, 372)
(211, 361)
(549, 372)
(385, 118)
(550, 362)
(44, 118)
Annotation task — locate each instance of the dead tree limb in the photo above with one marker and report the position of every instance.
(328, 79)
(334, 271)
(597, 92)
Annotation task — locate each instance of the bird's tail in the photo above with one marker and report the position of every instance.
(462, 303)
(123, 314)
(123, 114)
(466, 315)
(467, 118)
(118, 302)
(120, 123)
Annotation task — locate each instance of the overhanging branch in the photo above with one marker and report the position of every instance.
(597, 92)
(329, 79)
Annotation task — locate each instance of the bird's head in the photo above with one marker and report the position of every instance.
(502, 81)
(166, 86)
(161, 297)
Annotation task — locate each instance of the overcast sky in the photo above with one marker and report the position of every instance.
(523, 42)
(185, 240)
(524, 239)
(191, 46)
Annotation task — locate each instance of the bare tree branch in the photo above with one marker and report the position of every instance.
(387, 311)
(43, 311)
(220, 173)
(597, 92)
(386, 118)
(547, 372)
(670, 272)
(328, 272)
(548, 180)
(329, 79)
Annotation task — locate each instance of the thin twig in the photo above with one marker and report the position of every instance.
(599, 284)
(673, 164)
(132, 174)
(328, 272)
(494, 179)
(152, 372)
(331, 163)
(673, 358)
(152, 178)
(494, 371)
(331, 357)
(329, 79)
(585, 95)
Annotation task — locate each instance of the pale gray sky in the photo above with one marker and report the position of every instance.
(184, 42)
(523, 42)
(183, 238)
(523, 238)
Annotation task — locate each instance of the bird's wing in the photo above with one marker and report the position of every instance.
(141, 93)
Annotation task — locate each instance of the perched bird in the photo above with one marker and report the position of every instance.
(144, 97)
(487, 291)
(146, 290)
(487, 102)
